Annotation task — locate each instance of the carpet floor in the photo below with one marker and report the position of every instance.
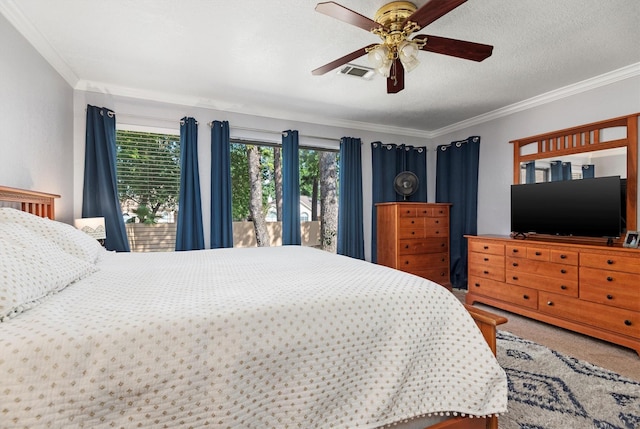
(550, 390)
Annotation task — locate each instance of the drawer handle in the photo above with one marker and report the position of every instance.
(408, 211)
(628, 322)
(485, 247)
(550, 303)
(609, 279)
(413, 233)
(442, 245)
(515, 277)
(610, 261)
(515, 250)
(538, 253)
(563, 287)
(486, 259)
(406, 262)
(515, 264)
(476, 284)
(413, 221)
(437, 232)
(563, 256)
(525, 296)
(486, 272)
(406, 246)
(563, 271)
(437, 221)
(609, 296)
(424, 212)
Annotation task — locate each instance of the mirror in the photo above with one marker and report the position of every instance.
(611, 146)
(602, 163)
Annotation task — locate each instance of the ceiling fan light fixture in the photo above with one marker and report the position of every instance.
(379, 56)
(408, 54)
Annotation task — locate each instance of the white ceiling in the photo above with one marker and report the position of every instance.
(256, 56)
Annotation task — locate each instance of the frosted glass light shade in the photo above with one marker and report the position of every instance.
(408, 53)
(379, 59)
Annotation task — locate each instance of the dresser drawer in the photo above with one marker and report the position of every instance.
(538, 254)
(550, 284)
(413, 246)
(437, 222)
(438, 275)
(483, 259)
(486, 247)
(548, 269)
(411, 222)
(521, 296)
(618, 320)
(413, 263)
(629, 264)
(568, 257)
(415, 232)
(495, 272)
(407, 211)
(610, 287)
(516, 250)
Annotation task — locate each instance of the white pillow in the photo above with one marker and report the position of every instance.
(68, 238)
(32, 269)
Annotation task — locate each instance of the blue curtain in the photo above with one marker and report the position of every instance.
(457, 183)
(560, 171)
(221, 216)
(566, 171)
(189, 234)
(350, 223)
(290, 189)
(100, 190)
(588, 171)
(387, 161)
(530, 170)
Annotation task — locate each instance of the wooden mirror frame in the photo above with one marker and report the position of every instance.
(586, 138)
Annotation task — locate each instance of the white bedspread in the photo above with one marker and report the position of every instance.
(285, 337)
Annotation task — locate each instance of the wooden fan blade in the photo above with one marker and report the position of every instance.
(433, 10)
(340, 61)
(456, 48)
(343, 14)
(395, 82)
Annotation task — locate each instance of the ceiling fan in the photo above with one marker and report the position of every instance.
(394, 23)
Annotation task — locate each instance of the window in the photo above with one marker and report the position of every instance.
(148, 174)
(315, 230)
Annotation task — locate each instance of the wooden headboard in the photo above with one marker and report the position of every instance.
(37, 203)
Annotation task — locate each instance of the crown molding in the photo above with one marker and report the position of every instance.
(623, 73)
(231, 107)
(12, 13)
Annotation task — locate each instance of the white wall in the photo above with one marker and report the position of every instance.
(496, 153)
(166, 116)
(36, 134)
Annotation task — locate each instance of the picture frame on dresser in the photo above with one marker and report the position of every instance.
(631, 239)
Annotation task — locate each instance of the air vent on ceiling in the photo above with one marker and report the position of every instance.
(357, 71)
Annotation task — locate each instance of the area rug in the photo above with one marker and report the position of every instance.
(549, 390)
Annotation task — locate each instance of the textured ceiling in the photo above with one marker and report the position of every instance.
(256, 57)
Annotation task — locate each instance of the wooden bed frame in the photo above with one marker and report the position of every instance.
(43, 204)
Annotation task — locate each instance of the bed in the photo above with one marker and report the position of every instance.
(283, 337)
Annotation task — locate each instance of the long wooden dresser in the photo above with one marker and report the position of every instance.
(414, 237)
(591, 289)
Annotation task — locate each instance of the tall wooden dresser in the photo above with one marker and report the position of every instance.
(414, 237)
(591, 289)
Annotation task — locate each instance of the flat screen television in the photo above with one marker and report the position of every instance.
(583, 207)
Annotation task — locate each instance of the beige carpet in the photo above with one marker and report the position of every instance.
(615, 358)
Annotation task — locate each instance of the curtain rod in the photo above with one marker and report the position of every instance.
(278, 132)
(233, 127)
